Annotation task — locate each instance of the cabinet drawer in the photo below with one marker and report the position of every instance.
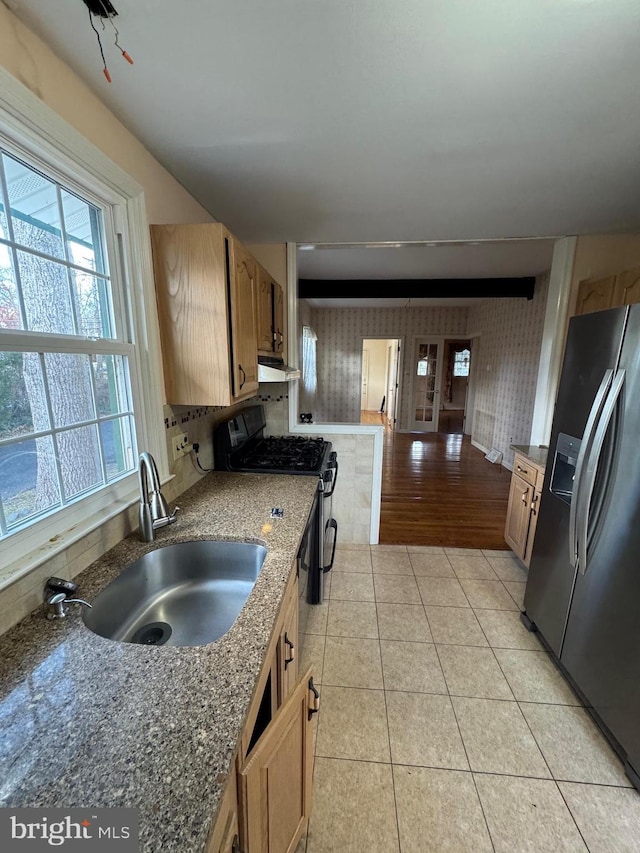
(525, 469)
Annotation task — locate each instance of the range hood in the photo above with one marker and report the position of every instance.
(274, 370)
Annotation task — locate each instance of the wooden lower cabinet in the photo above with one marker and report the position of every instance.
(275, 780)
(287, 652)
(522, 509)
(225, 837)
(516, 528)
(267, 803)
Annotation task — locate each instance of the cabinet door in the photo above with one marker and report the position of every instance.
(264, 308)
(244, 348)
(288, 646)
(278, 318)
(518, 515)
(533, 523)
(627, 288)
(275, 780)
(191, 286)
(595, 295)
(225, 835)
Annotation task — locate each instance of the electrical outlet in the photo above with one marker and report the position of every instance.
(181, 445)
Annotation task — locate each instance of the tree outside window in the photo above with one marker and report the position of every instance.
(66, 413)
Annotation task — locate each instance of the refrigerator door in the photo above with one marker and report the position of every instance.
(602, 644)
(593, 348)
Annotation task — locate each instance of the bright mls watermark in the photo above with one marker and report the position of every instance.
(83, 830)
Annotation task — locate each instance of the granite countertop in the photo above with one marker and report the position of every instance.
(88, 721)
(534, 452)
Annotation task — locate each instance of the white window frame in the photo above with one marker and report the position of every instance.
(31, 129)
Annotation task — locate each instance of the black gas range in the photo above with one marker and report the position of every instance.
(240, 445)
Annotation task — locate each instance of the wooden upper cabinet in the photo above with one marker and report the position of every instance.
(205, 284)
(627, 288)
(595, 295)
(243, 321)
(278, 319)
(613, 291)
(264, 307)
(270, 311)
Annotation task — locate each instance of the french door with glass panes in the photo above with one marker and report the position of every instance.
(425, 397)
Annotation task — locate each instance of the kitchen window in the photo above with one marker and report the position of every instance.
(69, 408)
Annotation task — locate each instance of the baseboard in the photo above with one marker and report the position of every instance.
(479, 446)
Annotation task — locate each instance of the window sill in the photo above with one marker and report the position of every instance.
(30, 560)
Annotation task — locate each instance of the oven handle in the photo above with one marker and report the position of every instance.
(332, 523)
(333, 466)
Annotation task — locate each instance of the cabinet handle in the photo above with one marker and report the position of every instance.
(522, 470)
(524, 496)
(292, 651)
(314, 705)
(534, 500)
(244, 375)
(235, 845)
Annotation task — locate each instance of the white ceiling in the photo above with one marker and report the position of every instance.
(357, 121)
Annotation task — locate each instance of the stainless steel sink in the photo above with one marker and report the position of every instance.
(186, 594)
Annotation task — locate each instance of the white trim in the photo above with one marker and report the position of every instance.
(553, 338)
(38, 131)
(376, 486)
(293, 343)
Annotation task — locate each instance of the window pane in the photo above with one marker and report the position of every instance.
(23, 407)
(82, 222)
(118, 445)
(45, 290)
(93, 301)
(70, 390)
(35, 215)
(79, 456)
(9, 302)
(28, 480)
(112, 387)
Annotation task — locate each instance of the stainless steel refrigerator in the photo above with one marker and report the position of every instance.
(583, 589)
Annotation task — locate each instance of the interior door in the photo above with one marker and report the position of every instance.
(392, 382)
(427, 372)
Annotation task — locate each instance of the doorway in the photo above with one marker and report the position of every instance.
(379, 381)
(455, 386)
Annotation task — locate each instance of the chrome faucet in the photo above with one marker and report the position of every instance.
(154, 511)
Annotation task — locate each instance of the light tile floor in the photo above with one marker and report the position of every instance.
(444, 725)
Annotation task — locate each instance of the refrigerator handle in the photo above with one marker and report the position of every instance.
(589, 429)
(584, 500)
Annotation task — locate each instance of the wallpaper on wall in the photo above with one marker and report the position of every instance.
(340, 332)
(507, 368)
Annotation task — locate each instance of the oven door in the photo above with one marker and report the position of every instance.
(307, 565)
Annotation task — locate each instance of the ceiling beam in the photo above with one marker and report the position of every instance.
(421, 288)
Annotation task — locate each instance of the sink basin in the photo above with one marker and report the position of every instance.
(187, 594)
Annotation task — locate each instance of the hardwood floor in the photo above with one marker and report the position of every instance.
(439, 490)
(368, 416)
